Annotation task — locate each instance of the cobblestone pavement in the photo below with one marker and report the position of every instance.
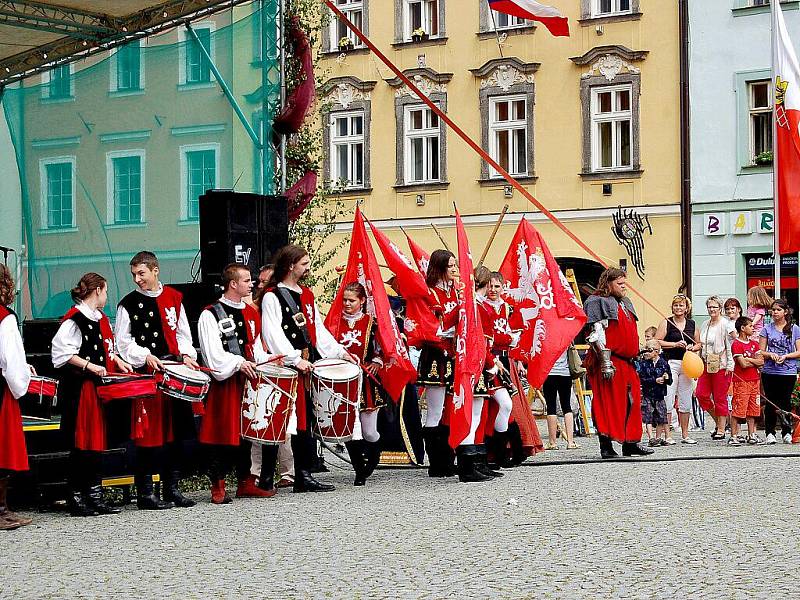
(627, 529)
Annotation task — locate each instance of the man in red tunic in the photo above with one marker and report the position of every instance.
(614, 340)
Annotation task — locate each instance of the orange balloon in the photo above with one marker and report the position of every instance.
(692, 365)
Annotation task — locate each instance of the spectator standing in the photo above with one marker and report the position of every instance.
(655, 375)
(558, 388)
(676, 335)
(758, 303)
(715, 350)
(748, 358)
(780, 347)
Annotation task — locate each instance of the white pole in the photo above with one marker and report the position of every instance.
(776, 242)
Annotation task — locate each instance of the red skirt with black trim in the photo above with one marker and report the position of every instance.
(13, 451)
(222, 420)
(90, 425)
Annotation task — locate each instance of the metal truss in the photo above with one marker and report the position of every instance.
(87, 32)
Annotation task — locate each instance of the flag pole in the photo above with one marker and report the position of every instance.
(776, 216)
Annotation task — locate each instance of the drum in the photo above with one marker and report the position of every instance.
(267, 404)
(182, 382)
(41, 398)
(125, 386)
(335, 395)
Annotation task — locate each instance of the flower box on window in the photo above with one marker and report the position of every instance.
(346, 44)
(763, 159)
(419, 35)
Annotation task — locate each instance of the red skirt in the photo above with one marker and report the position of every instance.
(612, 412)
(90, 425)
(152, 421)
(222, 420)
(13, 451)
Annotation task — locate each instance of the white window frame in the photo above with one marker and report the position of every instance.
(431, 9)
(46, 86)
(510, 125)
(183, 150)
(758, 2)
(613, 117)
(615, 8)
(350, 141)
(513, 22)
(426, 133)
(112, 71)
(111, 208)
(44, 208)
(752, 111)
(184, 39)
(348, 7)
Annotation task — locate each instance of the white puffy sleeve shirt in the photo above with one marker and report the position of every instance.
(13, 365)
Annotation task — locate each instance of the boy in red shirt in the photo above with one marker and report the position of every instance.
(746, 382)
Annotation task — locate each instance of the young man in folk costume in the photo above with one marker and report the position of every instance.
(291, 325)
(229, 333)
(614, 341)
(357, 336)
(83, 351)
(437, 361)
(15, 377)
(152, 327)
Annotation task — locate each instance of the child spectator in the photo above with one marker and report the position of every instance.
(746, 382)
(650, 334)
(655, 376)
(758, 303)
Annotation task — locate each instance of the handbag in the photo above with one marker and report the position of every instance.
(574, 362)
(713, 360)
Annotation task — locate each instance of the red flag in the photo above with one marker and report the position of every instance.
(421, 324)
(535, 11)
(551, 315)
(397, 370)
(421, 257)
(787, 120)
(470, 343)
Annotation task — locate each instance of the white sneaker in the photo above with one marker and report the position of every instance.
(687, 440)
(787, 439)
(770, 439)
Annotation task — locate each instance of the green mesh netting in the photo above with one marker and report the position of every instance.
(113, 151)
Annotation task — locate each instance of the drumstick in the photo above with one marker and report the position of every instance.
(273, 359)
(173, 363)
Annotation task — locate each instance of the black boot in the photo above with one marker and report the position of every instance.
(373, 457)
(606, 447)
(518, 455)
(145, 496)
(498, 445)
(171, 492)
(481, 463)
(356, 449)
(304, 482)
(447, 453)
(78, 504)
(432, 449)
(634, 449)
(96, 501)
(467, 456)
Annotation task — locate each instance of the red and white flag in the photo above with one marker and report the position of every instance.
(421, 257)
(550, 17)
(470, 343)
(551, 314)
(421, 324)
(786, 73)
(362, 266)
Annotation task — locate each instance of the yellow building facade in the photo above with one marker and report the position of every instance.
(587, 124)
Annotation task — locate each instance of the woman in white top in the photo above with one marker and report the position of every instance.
(715, 350)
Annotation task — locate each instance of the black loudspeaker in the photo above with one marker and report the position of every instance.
(241, 228)
(196, 297)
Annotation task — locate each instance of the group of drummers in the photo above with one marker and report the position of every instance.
(268, 370)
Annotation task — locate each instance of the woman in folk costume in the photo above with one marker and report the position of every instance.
(497, 319)
(83, 349)
(357, 336)
(437, 361)
(15, 377)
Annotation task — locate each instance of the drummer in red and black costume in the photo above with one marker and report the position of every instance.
(15, 377)
(436, 361)
(83, 350)
(357, 336)
(229, 333)
(152, 326)
(614, 342)
(292, 326)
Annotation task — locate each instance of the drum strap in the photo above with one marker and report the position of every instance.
(227, 330)
(295, 311)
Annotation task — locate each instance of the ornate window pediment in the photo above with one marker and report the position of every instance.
(346, 90)
(609, 61)
(426, 79)
(505, 73)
